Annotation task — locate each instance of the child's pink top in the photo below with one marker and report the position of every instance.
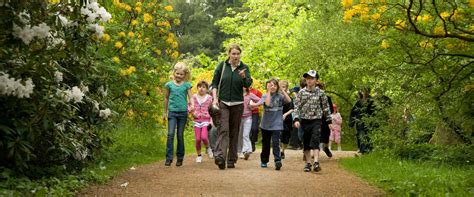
(336, 121)
(201, 107)
(247, 98)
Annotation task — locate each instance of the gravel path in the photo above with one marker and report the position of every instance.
(247, 179)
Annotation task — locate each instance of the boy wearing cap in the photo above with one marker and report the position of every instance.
(310, 105)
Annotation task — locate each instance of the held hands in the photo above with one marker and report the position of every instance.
(297, 124)
(242, 73)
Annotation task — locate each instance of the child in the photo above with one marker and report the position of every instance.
(246, 123)
(202, 100)
(287, 120)
(272, 122)
(310, 105)
(336, 128)
(177, 94)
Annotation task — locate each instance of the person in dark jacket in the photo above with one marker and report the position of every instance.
(230, 77)
(362, 109)
(325, 131)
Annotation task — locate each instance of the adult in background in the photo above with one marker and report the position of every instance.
(230, 77)
(364, 108)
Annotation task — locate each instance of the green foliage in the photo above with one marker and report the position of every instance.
(408, 177)
(197, 33)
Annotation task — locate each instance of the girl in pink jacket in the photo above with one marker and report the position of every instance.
(202, 119)
(336, 128)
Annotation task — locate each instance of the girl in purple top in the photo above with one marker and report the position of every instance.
(246, 123)
(202, 119)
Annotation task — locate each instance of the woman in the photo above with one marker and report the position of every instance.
(230, 77)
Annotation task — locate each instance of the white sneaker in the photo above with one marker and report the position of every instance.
(209, 153)
(199, 159)
(241, 155)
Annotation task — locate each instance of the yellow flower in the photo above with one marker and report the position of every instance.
(444, 15)
(122, 34)
(123, 51)
(382, 8)
(138, 9)
(375, 17)
(54, 1)
(118, 45)
(134, 22)
(131, 34)
(106, 37)
(471, 3)
(145, 114)
(174, 45)
(175, 55)
(116, 59)
(439, 31)
(147, 18)
(127, 92)
(384, 44)
(169, 8)
(132, 69)
(346, 3)
(128, 8)
(138, 4)
(400, 24)
(472, 28)
(426, 18)
(348, 16)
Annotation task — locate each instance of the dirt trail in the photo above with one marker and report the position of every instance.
(247, 179)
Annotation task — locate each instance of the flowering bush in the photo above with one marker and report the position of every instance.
(64, 65)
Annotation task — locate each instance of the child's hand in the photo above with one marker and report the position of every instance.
(297, 124)
(191, 109)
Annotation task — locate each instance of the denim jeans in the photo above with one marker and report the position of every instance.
(176, 121)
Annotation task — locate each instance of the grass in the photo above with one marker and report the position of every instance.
(134, 144)
(406, 178)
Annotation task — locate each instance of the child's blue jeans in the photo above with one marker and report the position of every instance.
(176, 121)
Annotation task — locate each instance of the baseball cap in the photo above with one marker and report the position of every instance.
(311, 73)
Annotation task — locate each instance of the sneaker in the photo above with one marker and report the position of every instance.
(220, 163)
(278, 165)
(307, 167)
(282, 155)
(209, 152)
(316, 167)
(263, 165)
(230, 165)
(179, 162)
(246, 155)
(168, 162)
(199, 159)
(241, 155)
(327, 151)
